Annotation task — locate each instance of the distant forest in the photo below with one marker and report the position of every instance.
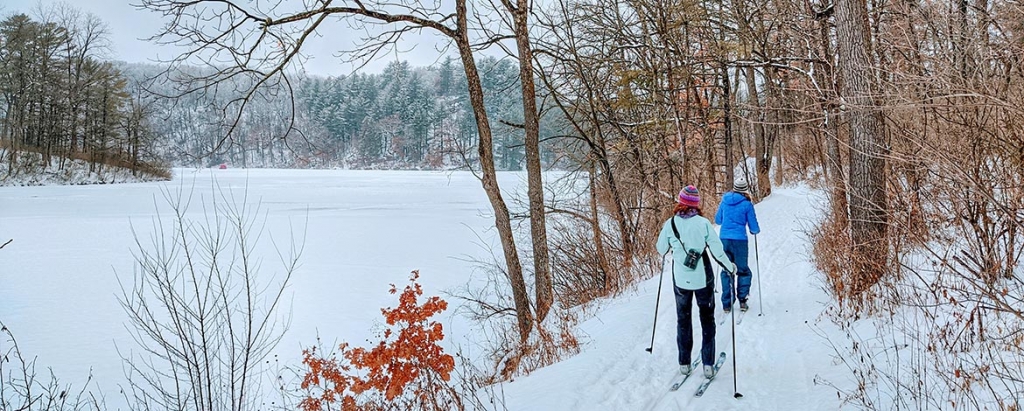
(405, 117)
(60, 98)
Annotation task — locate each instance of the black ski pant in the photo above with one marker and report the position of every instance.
(684, 309)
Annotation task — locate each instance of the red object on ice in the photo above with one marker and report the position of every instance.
(223, 166)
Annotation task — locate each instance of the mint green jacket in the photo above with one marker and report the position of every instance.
(695, 232)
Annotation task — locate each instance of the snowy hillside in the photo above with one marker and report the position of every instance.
(34, 172)
(779, 355)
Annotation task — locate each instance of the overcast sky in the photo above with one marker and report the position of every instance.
(128, 27)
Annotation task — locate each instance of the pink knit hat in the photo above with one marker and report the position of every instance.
(689, 196)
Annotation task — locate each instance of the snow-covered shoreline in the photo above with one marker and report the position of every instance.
(75, 172)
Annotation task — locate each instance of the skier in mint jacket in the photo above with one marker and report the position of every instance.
(735, 214)
(693, 232)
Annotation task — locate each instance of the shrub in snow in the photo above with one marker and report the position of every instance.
(407, 369)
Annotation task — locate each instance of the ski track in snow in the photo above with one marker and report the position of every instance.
(778, 354)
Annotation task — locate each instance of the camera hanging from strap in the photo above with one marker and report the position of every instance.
(692, 251)
(692, 255)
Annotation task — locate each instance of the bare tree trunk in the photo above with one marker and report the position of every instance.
(730, 157)
(834, 169)
(961, 41)
(535, 184)
(673, 101)
(763, 148)
(490, 179)
(825, 77)
(595, 226)
(868, 199)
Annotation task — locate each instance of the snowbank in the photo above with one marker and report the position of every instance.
(75, 172)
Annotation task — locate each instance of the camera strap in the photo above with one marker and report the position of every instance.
(676, 232)
(704, 251)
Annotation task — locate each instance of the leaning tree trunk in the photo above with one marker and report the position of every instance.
(868, 200)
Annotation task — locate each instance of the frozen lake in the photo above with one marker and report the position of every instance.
(366, 230)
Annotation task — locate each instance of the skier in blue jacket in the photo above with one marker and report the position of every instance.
(735, 214)
(690, 236)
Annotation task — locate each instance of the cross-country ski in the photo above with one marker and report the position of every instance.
(682, 379)
(709, 378)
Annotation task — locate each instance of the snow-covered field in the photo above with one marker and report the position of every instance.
(366, 230)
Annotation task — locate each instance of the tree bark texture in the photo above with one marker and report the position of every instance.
(535, 184)
(868, 199)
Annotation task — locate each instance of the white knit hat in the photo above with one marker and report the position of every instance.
(740, 186)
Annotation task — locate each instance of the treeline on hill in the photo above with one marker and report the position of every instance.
(404, 117)
(61, 101)
(418, 117)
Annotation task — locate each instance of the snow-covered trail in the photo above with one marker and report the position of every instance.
(779, 354)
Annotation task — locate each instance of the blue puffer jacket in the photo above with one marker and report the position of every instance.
(734, 215)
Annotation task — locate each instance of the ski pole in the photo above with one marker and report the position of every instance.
(735, 289)
(657, 302)
(757, 263)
